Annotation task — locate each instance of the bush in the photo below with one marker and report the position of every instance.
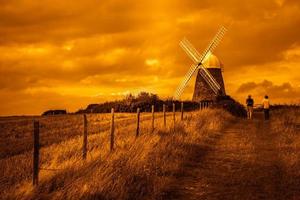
(54, 112)
(232, 106)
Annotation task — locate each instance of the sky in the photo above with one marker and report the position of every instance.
(58, 54)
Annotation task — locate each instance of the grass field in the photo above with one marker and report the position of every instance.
(138, 168)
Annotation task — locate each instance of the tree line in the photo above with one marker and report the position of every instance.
(143, 100)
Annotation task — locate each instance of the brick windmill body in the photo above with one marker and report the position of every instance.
(202, 90)
(209, 82)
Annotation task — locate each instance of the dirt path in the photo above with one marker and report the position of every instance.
(240, 163)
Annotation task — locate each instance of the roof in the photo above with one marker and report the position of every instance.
(212, 61)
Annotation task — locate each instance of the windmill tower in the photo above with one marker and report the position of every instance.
(209, 82)
(202, 91)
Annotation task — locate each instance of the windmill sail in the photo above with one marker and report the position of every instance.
(190, 50)
(194, 55)
(185, 81)
(198, 59)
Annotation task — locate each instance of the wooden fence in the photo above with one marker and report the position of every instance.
(36, 132)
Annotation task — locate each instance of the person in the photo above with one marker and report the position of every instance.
(266, 107)
(250, 103)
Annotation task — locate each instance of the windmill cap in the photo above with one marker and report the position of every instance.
(212, 61)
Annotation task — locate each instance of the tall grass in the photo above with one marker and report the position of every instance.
(139, 168)
(286, 124)
(16, 134)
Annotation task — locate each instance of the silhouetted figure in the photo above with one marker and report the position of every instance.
(266, 106)
(250, 103)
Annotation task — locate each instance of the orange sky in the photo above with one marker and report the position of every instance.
(67, 54)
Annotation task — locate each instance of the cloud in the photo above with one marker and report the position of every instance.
(278, 92)
(250, 86)
(110, 47)
(37, 103)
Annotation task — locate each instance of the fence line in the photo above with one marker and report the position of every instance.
(36, 133)
(205, 104)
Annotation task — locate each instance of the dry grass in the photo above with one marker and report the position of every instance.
(139, 168)
(250, 159)
(286, 125)
(16, 133)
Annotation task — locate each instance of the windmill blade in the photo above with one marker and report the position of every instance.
(190, 50)
(185, 81)
(210, 80)
(191, 47)
(197, 58)
(193, 53)
(214, 43)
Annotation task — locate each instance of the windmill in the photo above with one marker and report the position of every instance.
(209, 82)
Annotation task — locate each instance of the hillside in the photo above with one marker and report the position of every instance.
(209, 155)
(138, 167)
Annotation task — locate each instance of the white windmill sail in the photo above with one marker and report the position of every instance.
(198, 60)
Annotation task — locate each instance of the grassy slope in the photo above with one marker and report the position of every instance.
(138, 168)
(251, 159)
(61, 140)
(16, 134)
(285, 124)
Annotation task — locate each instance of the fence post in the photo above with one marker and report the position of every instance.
(36, 149)
(181, 111)
(84, 145)
(137, 122)
(112, 130)
(200, 105)
(152, 110)
(164, 114)
(174, 112)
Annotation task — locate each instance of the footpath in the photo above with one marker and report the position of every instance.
(240, 163)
